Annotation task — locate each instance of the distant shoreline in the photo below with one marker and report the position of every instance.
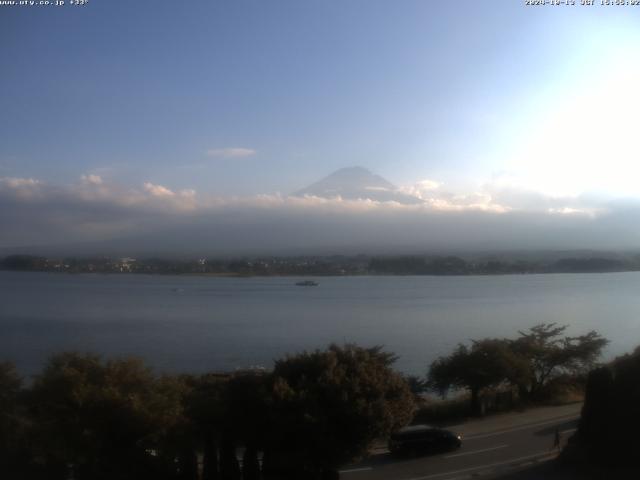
(327, 266)
(317, 275)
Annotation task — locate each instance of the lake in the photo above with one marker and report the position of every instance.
(198, 323)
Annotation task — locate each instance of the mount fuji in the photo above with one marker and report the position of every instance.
(357, 183)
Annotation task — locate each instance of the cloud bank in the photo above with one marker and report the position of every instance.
(231, 152)
(100, 217)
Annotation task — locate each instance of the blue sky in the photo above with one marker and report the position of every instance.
(413, 89)
(238, 98)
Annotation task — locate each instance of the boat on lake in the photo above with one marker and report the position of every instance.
(307, 283)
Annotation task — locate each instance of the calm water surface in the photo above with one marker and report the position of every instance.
(189, 323)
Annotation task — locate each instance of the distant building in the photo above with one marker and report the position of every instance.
(125, 264)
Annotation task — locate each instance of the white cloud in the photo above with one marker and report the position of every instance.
(422, 189)
(231, 152)
(428, 184)
(500, 195)
(26, 189)
(158, 190)
(14, 182)
(188, 193)
(160, 197)
(91, 179)
(496, 215)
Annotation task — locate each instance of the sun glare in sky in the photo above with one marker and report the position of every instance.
(582, 136)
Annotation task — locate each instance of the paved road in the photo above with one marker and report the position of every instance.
(489, 446)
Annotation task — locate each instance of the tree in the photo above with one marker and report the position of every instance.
(417, 385)
(610, 418)
(24, 262)
(548, 354)
(247, 416)
(487, 363)
(205, 407)
(14, 456)
(106, 420)
(329, 406)
(528, 362)
(228, 411)
(598, 410)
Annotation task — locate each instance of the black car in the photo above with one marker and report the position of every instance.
(422, 439)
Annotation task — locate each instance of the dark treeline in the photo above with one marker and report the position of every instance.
(90, 419)
(87, 418)
(451, 265)
(301, 266)
(538, 364)
(608, 430)
(318, 265)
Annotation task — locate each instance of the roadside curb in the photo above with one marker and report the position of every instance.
(514, 466)
(493, 469)
(522, 426)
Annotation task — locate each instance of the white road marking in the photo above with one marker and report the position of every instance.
(475, 451)
(480, 467)
(516, 429)
(353, 470)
